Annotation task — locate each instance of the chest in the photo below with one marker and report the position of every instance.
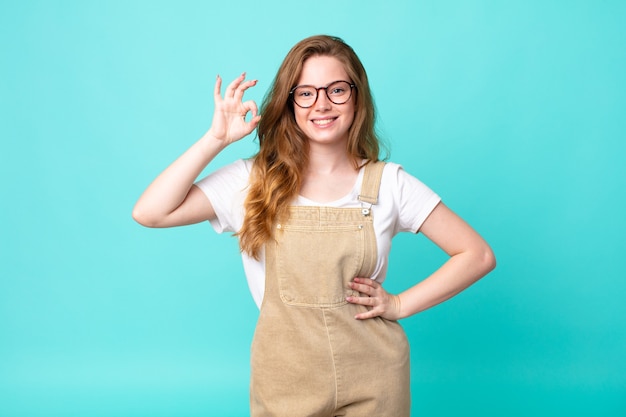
(324, 188)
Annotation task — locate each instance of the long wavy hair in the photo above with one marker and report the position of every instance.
(279, 165)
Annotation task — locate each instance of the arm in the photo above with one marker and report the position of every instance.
(172, 199)
(471, 258)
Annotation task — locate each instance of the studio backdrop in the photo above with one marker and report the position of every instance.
(512, 111)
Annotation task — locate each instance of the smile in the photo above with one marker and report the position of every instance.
(323, 122)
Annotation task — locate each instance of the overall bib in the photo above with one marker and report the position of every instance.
(310, 356)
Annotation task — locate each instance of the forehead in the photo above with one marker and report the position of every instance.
(321, 70)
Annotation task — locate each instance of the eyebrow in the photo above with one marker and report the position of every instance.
(325, 86)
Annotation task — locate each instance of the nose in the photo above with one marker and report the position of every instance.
(322, 102)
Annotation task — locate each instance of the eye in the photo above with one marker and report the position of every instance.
(305, 92)
(339, 89)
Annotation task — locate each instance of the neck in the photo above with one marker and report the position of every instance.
(328, 159)
(328, 163)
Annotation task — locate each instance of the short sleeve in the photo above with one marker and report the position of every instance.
(226, 189)
(415, 201)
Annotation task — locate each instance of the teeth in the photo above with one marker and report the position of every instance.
(323, 122)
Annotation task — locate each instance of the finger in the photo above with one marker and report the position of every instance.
(250, 106)
(230, 90)
(254, 122)
(217, 89)
(363, 301)
(242, 88)
(367, 281)
(364, 289)
(367, 315)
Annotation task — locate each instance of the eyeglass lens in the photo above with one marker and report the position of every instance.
(338, 92)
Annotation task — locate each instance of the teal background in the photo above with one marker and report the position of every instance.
(513, 111)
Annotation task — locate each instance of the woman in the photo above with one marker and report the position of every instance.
(315, 211)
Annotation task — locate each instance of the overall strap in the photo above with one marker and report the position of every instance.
(371, 182)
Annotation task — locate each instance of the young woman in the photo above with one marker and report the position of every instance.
(315, 211)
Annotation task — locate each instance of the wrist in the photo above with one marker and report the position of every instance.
(213, 141)
(398, 307)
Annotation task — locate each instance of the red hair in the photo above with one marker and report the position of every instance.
(283, 154)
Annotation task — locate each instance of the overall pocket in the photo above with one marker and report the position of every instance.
(315, 265)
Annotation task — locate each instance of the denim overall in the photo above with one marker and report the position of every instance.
(310, 356)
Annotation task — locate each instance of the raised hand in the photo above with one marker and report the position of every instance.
(229, 118)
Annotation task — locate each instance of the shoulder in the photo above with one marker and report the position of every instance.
(395, 174)
(240, 167)
(237, 170)
(234, 177)
(412, 200)
(404, 185)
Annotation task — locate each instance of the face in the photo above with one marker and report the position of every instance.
(324, 122)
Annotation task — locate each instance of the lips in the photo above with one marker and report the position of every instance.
(323, 122)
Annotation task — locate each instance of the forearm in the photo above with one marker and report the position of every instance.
(172, 186)
(170, 200)
(455, 275)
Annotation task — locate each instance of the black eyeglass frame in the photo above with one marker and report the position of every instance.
(317, 93)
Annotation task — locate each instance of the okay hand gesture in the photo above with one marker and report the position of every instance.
(229, 118)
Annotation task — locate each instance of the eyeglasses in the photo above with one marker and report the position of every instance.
(338, 92)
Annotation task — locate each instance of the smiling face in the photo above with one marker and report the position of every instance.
(324, 122)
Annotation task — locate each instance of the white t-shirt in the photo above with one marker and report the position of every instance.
(403, 205)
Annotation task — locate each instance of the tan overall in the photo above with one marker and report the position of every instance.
(310, 356)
